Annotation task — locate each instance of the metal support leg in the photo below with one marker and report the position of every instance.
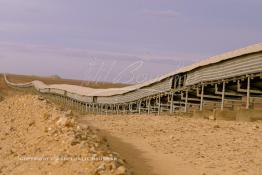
(148, 106)
(124, 108)
(139, 107)
(186, 101)
(159, 104)
(117, 109)
(223, 95)
(202, 98)
(130, 106)
(248, 93)
(77, 106)
(82, 107)
(97, 108)
(171, 103)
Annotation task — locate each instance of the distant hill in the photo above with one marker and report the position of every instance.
(55, 76)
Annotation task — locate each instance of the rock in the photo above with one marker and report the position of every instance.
(68, 113)
(84, 127)
(41, 98)
(31, 123)
(54, 117)
(161, 130)
(96, 145)
(46, 116)
(211, 117)
(54, 132)
(120, 170)
(115, 154)
(78, 135)
(75, 142)
(112, 166)
(63, 121)
(216, 126)
(255, 127)
(72, 121)
(83, 137)
(101, 167)
(46, 129)
(92, 149)
(120, 162)
(82, 145)
(11, 128)
(46, 101)
(78, 128)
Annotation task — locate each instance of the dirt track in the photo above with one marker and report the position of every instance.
(176, 145)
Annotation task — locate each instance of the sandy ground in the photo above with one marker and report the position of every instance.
(32, 127)
(178, 145)
(40, 139)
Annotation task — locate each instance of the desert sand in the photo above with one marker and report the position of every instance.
(150, 145)
(173, 145)
(36, 137)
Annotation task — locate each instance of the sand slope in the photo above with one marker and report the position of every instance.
(39, 139)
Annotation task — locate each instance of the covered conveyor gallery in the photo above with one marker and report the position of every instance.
(230, 81)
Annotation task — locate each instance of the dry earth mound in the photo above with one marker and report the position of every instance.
(37, 138)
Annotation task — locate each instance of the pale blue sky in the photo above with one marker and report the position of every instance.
(105, 40)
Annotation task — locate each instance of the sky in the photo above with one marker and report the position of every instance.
(127, 41)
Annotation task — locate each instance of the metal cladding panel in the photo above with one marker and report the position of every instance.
(44, 90)
(28, 85)
(57, 91)
(84, 98)
(25, 86)
(138, 94)
(236, 67)
(79, 97)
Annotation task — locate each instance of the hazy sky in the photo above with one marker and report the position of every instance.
(121, 40)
